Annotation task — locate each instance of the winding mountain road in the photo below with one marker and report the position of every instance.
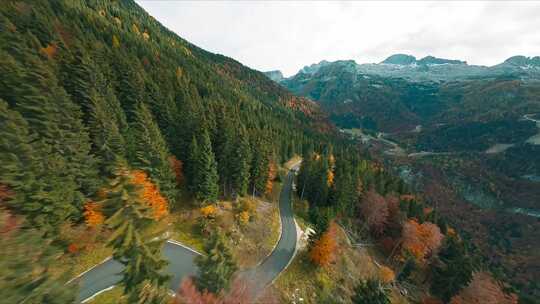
(181, 258)
(270, 268)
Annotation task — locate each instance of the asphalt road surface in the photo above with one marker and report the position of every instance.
(270, 268)
(108, 274)
(181, 259)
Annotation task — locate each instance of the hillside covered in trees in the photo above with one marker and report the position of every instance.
(109, 118)
(464, 135)
(88, 84)
(116, 134)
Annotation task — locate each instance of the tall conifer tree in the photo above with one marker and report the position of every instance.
(25, 266)
(35, 173)
(216, 266)
(153, 152)
(242, 163)
(134, 244)
(205, 177)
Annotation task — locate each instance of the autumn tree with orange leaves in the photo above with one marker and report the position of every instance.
(387, 275)
(323, 250)
(49, 51)
(133, 205)
(330, 178)
(178, 168)
(150, 194)
(92, 214)
(484, 289)
(421, 239)
(272, 172)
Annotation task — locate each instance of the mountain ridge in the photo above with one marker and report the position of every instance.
(429, 68)
(460, 132)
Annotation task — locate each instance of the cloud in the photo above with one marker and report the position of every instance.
(268, 35)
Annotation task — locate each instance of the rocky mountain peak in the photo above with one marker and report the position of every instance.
(402, 59)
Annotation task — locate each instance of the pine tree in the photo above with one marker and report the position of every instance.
(88, 88)
(187, 123)
(134, 244)
(79, 77)
(58, 122)
(408, 268)
(227, 146)
(242, 162)
(129, 84)
(259, 167)
(25, 266)
(453, 270)
(317, 186)
(153, 153)
(105, 132)
(204, 169)
(344, 190)
(370, 292)
(191, 164)
(34, 173)
(216, 266)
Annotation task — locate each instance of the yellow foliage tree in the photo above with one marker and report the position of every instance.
(208, 211)
(330, 178)
(115, 42)
(179, 72)
(248, 205)
(272, 171)
(186, 51)
(331, 160)
(359, 187)
(135, 29)
(243, 218)
(387, 274)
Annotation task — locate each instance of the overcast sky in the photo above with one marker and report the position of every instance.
(273, 35)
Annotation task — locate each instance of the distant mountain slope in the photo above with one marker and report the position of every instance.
(466, 133)
(275, 75)
(390, 96)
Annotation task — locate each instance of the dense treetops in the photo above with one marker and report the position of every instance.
(361, 195)
(88, 83)
(107, 118)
